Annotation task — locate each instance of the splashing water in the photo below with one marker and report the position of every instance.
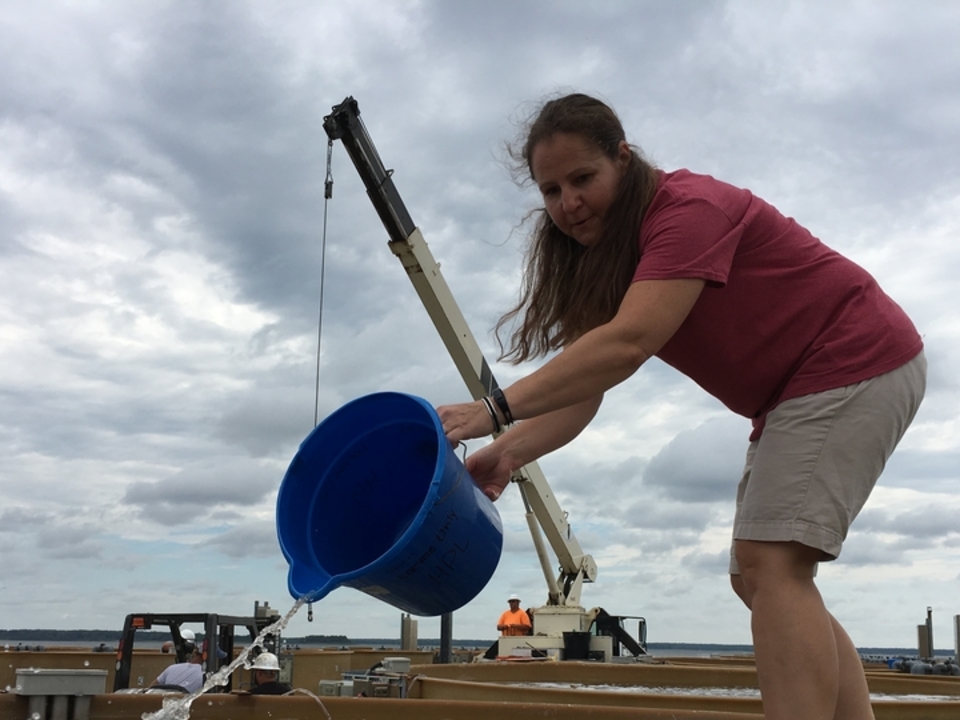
(179, 708)
(303, 691)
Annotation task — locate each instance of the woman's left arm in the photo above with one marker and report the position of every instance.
(649, 315)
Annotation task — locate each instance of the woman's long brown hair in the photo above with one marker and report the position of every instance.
(569, 289)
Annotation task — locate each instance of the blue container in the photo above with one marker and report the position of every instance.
(376, 499)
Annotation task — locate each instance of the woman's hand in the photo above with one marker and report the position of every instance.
(491, 470)
(465, 421)
(491, 466)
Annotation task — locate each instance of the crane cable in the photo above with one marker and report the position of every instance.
(327, 194)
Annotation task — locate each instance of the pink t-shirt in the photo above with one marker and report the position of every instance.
(781, 315)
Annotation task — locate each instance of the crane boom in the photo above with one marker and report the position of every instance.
(407, 243)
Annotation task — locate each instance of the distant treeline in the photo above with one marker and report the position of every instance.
(97, 636)
(76, 635)
(157, 635)
(113, 637)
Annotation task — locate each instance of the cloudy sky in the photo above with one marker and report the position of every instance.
(161, 227)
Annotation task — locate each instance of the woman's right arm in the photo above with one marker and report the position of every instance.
(491, 466)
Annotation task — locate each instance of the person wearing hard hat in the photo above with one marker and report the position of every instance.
(266, 676)
(187, 638)
(514, 621)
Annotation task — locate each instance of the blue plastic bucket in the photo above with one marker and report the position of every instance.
(377, 499)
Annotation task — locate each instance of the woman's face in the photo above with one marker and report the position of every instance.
(578, 182)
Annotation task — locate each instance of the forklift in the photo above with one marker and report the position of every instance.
(217, 645)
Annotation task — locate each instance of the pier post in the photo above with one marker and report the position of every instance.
(925, 647)
(956, 638)
(446, 638)
(408, 632)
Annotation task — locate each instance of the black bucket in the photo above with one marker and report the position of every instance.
(576, 645)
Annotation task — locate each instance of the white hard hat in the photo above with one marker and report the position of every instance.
(514, 597)
(266, 661)
(188, 635)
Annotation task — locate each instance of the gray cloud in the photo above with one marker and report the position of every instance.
(932, 521)
(714, 563)
(929, 470)
(70, 543)
(195, 491)
(17, 520)
(701, 465)
(250, 539)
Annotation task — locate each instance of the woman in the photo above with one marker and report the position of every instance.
(628, 262)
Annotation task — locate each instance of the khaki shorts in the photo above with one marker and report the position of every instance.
(819, 456)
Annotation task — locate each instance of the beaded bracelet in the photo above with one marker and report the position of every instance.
(493, 414)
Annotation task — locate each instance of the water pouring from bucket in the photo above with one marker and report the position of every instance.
(377, 499)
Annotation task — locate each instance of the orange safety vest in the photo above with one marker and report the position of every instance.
(519, 617)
